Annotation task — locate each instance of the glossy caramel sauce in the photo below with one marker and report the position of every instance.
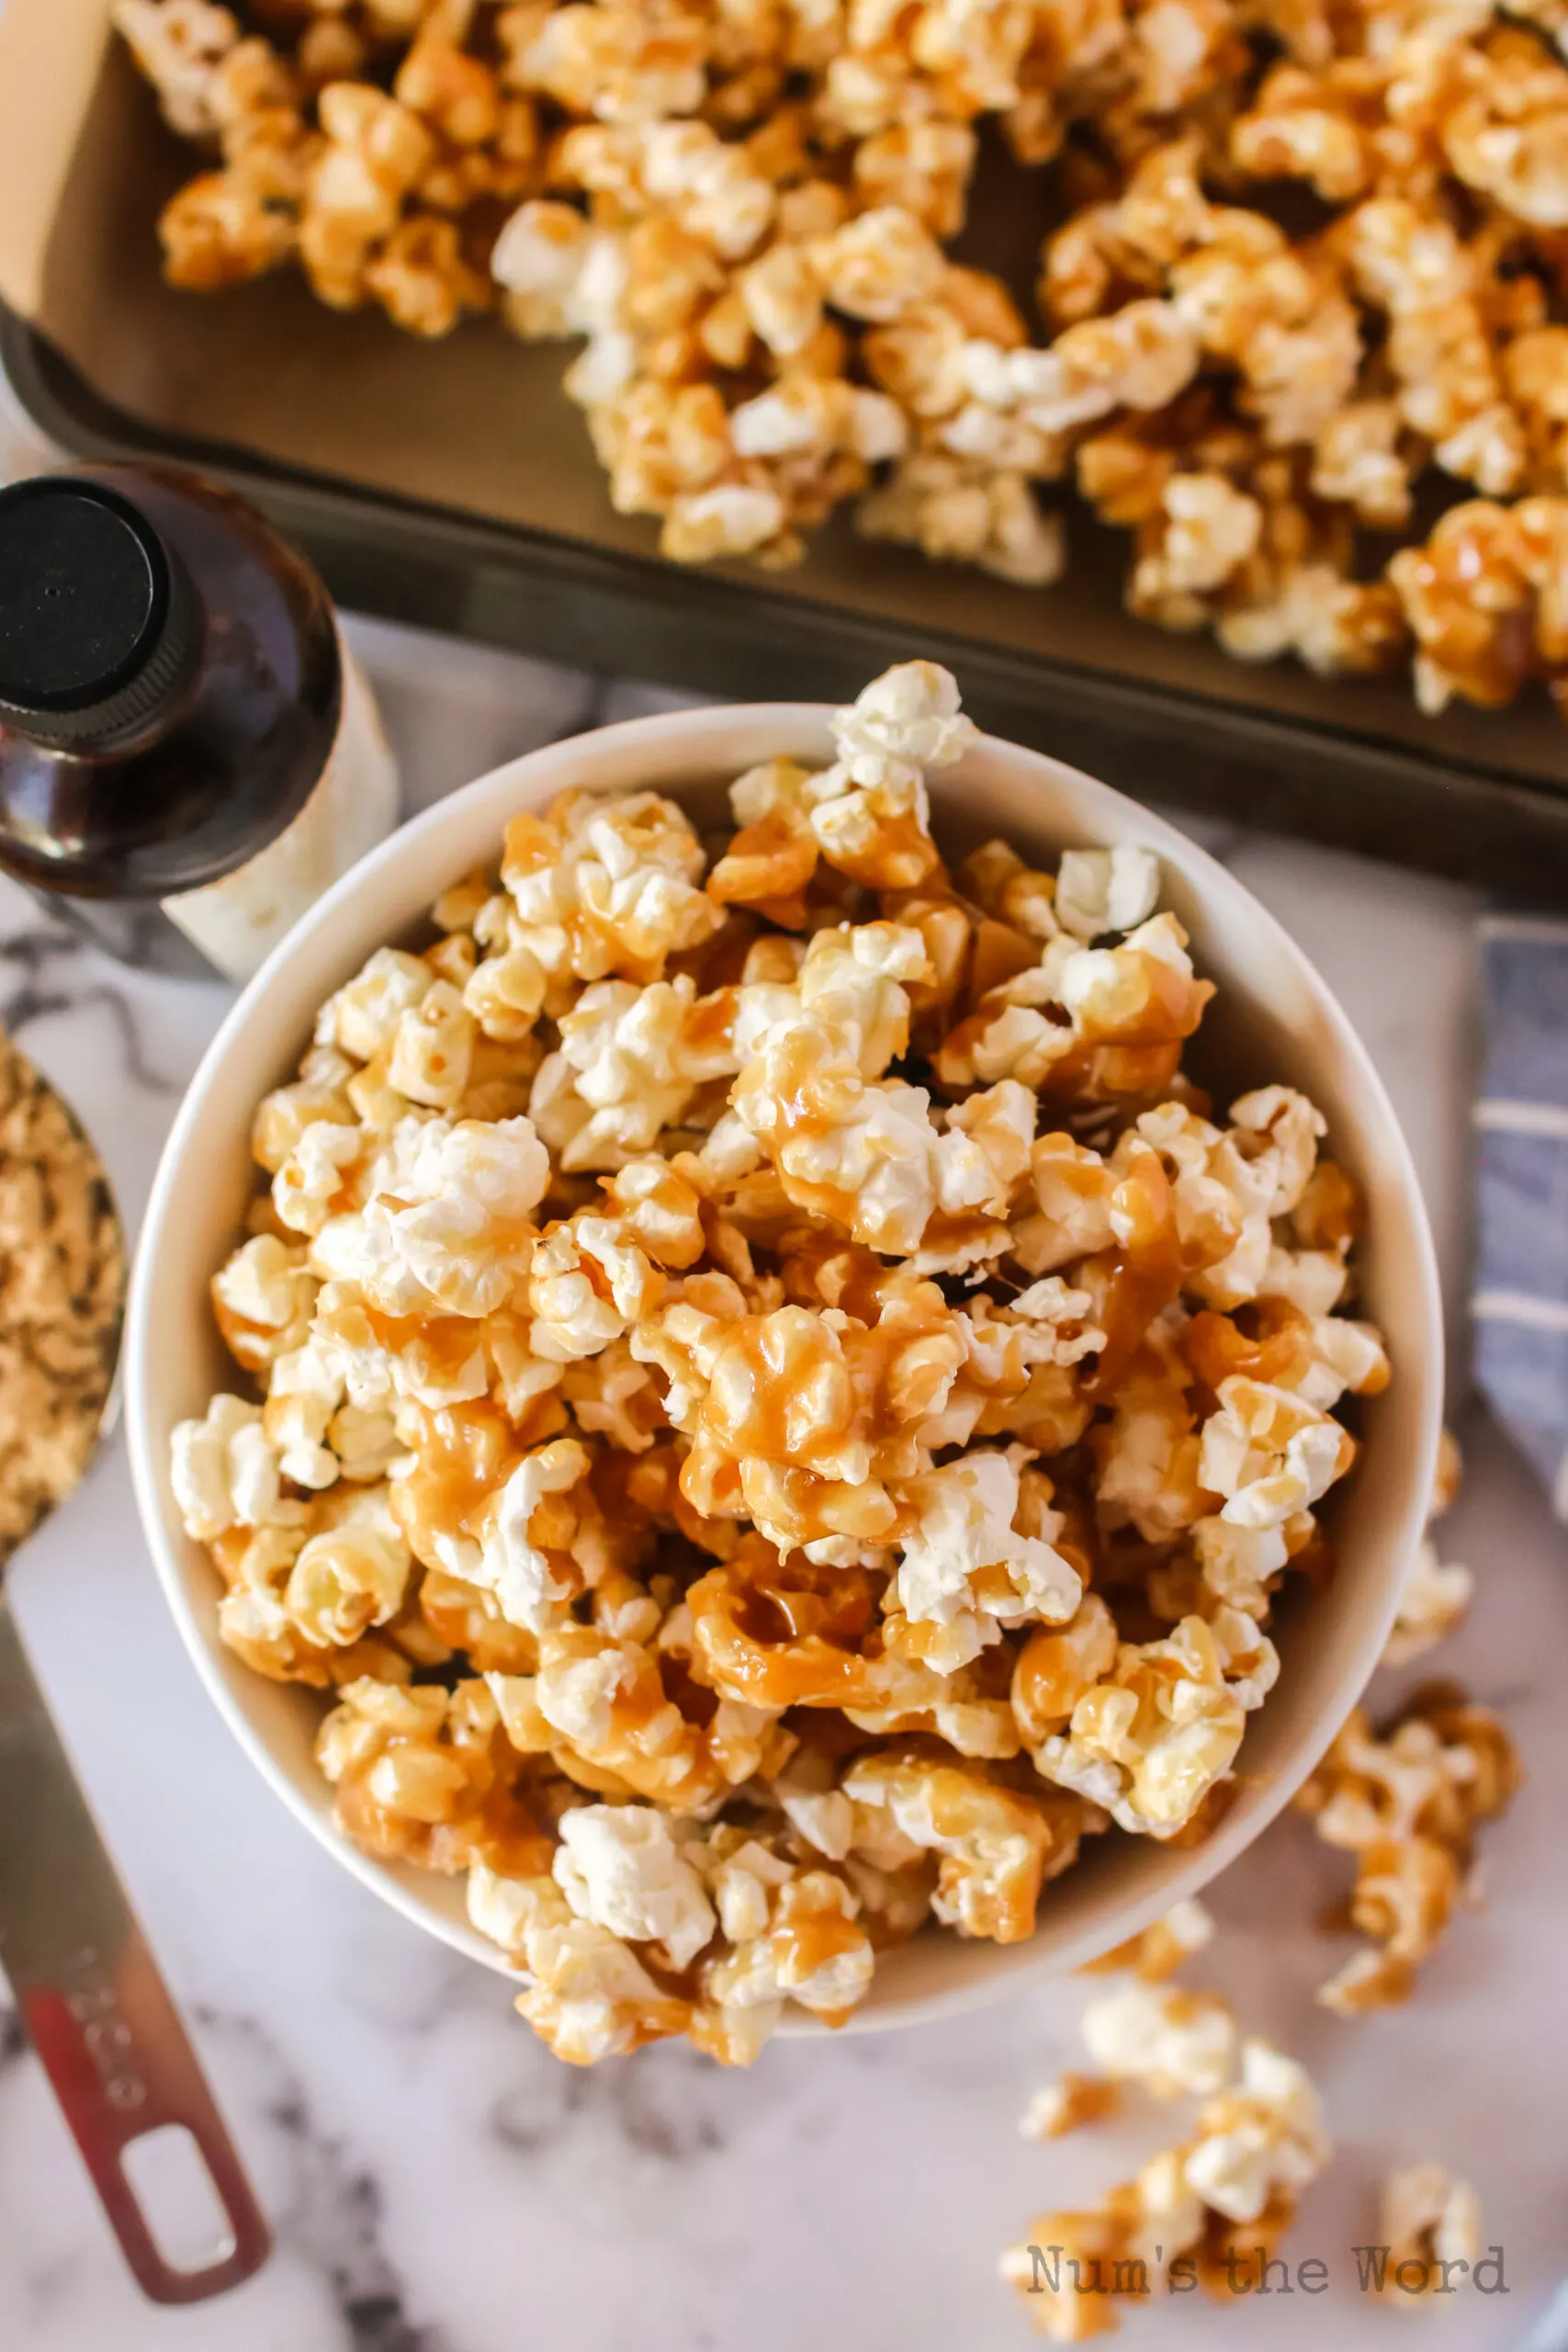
(1268, 1342)
(1146, 1270)
(1332, 1211)
(1000, 953)
(463, 1454)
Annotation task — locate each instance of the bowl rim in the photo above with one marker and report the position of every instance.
(525, 781)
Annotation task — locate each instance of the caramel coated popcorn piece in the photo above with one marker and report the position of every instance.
(1260, 2142)
(966, 1570)
(1205, 532)
(996, 1846)
(225, 227)
(1230, 2192)
(618, 1866)
(1066, 2103)
(1431, 2223)
(1484, 599)
(1437, 1594)
(1444, 310)
(588, 1994)
(426, 1775)
(1150, 1741)
(1357, 458)
(609, 58)
(180, 44)
(1187, 1927)
(1170, 2043)
(1075, 2268)
(374, 150)
(878, 265)
(1432, 1605)
(1507, 137)
(1407, 1804)
(811, 1948)
(958, 511)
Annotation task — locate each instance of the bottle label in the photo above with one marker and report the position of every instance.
(238, 921)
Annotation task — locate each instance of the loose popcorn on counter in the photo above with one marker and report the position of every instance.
(1431, 2225)
(1187, 1927)
(1436, 1596)
(749, 1481)
(1074, 2269)
(1067, 2103)
(745, 214)
(1207, 2212)
(1170, 2043)
(1407, 1802)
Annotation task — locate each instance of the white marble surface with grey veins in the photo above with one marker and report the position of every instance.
(438, 2183)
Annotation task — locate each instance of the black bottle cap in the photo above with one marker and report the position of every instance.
(98, 623)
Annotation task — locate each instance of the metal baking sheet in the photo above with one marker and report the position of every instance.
(611, 610)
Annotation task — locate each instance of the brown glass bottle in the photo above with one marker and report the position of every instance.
(171, 689)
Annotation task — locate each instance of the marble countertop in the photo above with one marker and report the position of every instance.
(437, 2182)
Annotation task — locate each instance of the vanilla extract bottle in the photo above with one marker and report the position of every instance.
(189, 754)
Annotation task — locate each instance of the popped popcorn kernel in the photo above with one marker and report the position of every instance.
(996, 1846)
(1433, 1604)
(1187, 1927)
(1260, 2142)
(1170, 2043)
(1407, 1802)
(1431, 2223)
(1066, 2105)
(179, 45)
(618, 1866)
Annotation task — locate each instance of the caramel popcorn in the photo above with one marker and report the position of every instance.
(374, 150)
(618, 1866)
(1431, 2225)
(1436, 1595)
(1407, 1802)
(1150, 1740)
(1258, 2142)
(997, 1845)
(748, 213)
(179, 45)
(1170, 2043)
(959, 512)
(755, 1481)
(1484, 597)
(1066, 2103)
(589, 1996)
(1075, 2267)
(1443, 341)
(1187, 1927)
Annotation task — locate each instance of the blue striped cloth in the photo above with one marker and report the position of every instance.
(1550, 2333)
(1521, 1290)
(1520, 1304)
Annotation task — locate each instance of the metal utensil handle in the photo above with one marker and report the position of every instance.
(92, 2000)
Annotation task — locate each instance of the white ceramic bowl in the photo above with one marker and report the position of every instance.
(1273, 1019)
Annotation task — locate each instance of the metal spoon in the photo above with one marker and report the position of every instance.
(85, 1982)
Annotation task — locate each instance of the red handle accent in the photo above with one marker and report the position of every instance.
(122, 2065)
